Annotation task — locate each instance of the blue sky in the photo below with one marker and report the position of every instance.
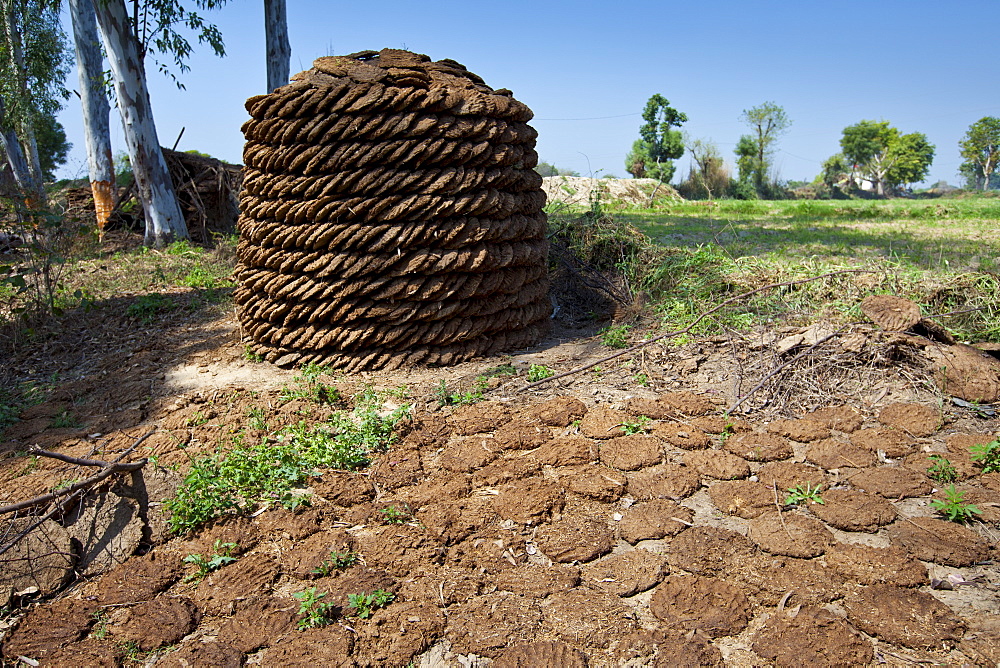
(587, 69)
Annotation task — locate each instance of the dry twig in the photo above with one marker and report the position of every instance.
(780, 367)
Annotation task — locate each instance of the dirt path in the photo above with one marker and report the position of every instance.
(535, 531)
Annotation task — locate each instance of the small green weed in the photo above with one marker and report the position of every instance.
(638, 426)
(941, 469)
(641, 379)
(147, 307)
(338, 561)
(222, 555)
(954, 507)
(29, 393)
(538, 372)
(401, 392)
(237, 481)
(615, 336)
(65, 484)
(800, 493)
(365, 605)
(65, 420)
(308, 386)
(199, 277)
(9, 411)
(394, 515)
(29, 467)
(197, 419)
(316, 612)
(250, 356)
(445, 397)
(256, 419)
(183, 247)
(100, 617)
(132, 652)
(987, 455)
(500, 370)
(320, 445)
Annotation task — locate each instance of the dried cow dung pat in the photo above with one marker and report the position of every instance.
(894, 314)
(390, 216)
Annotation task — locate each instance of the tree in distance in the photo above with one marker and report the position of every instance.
(548, 169)
(887, 158)
(981, 149)
(836, 172)
(653, 154)
(53, 147)
(754, 151)
(708, 176)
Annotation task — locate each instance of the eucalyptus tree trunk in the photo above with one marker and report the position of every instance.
(96, 110)
(279, 52)
(31, 188)
(164, 220)
(24, 158)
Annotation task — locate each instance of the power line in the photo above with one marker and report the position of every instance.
(595, 118)
(818, 162)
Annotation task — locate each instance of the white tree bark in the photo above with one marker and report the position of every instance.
(96, 110)
(164, 220)
(28, 169)
(31, 188)
(279, 52)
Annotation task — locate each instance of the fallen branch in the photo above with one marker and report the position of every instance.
(80, 461)
(107, 471)
(75, 490)
(667, 335)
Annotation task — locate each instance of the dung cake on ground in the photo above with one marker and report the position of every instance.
(390, 216)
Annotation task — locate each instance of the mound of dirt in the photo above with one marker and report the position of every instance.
(390, 215)
(581, 190)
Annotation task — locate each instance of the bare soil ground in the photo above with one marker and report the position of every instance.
(541, 533)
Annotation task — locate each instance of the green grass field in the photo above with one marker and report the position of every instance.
(944, 254)
(947, 235)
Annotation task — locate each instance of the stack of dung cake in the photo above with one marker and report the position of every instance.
(390, 215)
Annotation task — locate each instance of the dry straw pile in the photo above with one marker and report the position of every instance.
(390, 215)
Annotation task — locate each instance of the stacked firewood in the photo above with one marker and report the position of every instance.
(390, 215)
